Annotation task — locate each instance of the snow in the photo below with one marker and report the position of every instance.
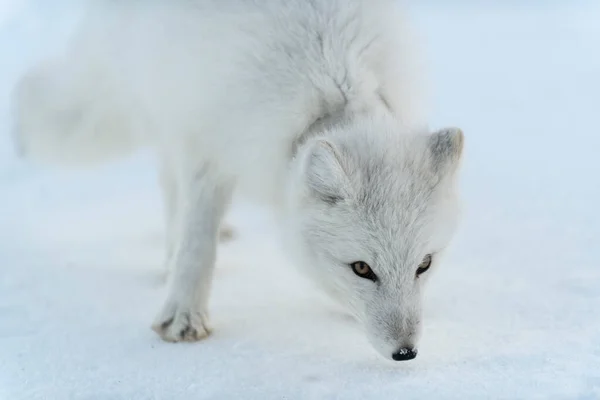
(512, 314)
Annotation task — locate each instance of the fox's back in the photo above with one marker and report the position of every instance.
(241, 80)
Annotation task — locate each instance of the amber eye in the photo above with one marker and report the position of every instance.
(363, 270)
(425, 264)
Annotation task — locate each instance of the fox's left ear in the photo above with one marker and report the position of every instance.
(325, 175)
(445, 148)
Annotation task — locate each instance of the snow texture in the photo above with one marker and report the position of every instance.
(514, 312)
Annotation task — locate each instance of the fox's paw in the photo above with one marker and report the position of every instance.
(226, 233)
(180, 323)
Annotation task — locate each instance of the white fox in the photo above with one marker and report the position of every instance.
(313, 107)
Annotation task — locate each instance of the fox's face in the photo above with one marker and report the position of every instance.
(370, 213)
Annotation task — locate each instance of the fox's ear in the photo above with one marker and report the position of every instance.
(325, 176)
(446, 147)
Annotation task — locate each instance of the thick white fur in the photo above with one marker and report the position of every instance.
(313, 107)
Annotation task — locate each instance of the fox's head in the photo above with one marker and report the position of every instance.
(370, 210)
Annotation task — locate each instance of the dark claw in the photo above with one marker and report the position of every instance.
(166, 324)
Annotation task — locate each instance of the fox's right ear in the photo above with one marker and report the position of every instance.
(445, 149)
(324, 173)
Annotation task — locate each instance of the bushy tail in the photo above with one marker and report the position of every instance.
(72, 117)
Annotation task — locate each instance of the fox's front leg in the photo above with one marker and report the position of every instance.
(172, 199)
(184, 316)
(169, 183)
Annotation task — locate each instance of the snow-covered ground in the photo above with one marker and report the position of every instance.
(513, 314)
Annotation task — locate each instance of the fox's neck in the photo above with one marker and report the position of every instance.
(338, 117)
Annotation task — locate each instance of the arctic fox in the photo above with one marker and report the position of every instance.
(315, 108)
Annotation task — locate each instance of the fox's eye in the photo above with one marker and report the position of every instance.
(363, 270)
(425, 264)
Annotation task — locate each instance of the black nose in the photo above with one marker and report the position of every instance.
(404, 354)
